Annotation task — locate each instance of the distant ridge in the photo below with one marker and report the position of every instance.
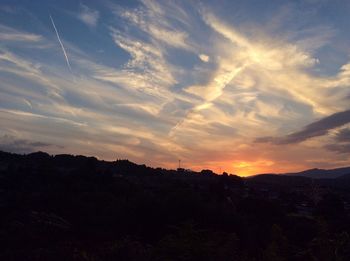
(314, 173)
(322, 173)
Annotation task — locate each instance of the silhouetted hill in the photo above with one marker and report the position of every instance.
(315, 173)
(77, 208)
(322, 173)
(38, 156)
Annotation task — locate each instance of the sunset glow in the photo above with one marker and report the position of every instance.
(159, 81)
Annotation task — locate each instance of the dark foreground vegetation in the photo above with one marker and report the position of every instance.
(77, 208)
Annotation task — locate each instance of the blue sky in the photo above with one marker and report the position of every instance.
(242, 86)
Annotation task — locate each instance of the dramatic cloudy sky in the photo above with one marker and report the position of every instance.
(239, 86)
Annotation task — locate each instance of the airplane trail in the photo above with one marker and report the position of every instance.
(59, 39)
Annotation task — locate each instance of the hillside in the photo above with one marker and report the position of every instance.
(67, 207)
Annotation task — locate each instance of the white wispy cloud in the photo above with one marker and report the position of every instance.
(88, 16)
(153, 19)
(13, 35)
(205, 58)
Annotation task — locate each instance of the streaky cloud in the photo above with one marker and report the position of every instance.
(341, 142)
(339, 148)
(12, 35)
(315, 129)
(343, 135)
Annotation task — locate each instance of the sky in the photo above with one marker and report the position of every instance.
(244, 87)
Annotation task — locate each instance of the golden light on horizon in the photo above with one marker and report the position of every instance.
(247, 168)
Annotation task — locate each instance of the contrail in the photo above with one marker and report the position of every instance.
(59, 39)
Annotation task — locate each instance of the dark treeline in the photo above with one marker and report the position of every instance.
(67, 207)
